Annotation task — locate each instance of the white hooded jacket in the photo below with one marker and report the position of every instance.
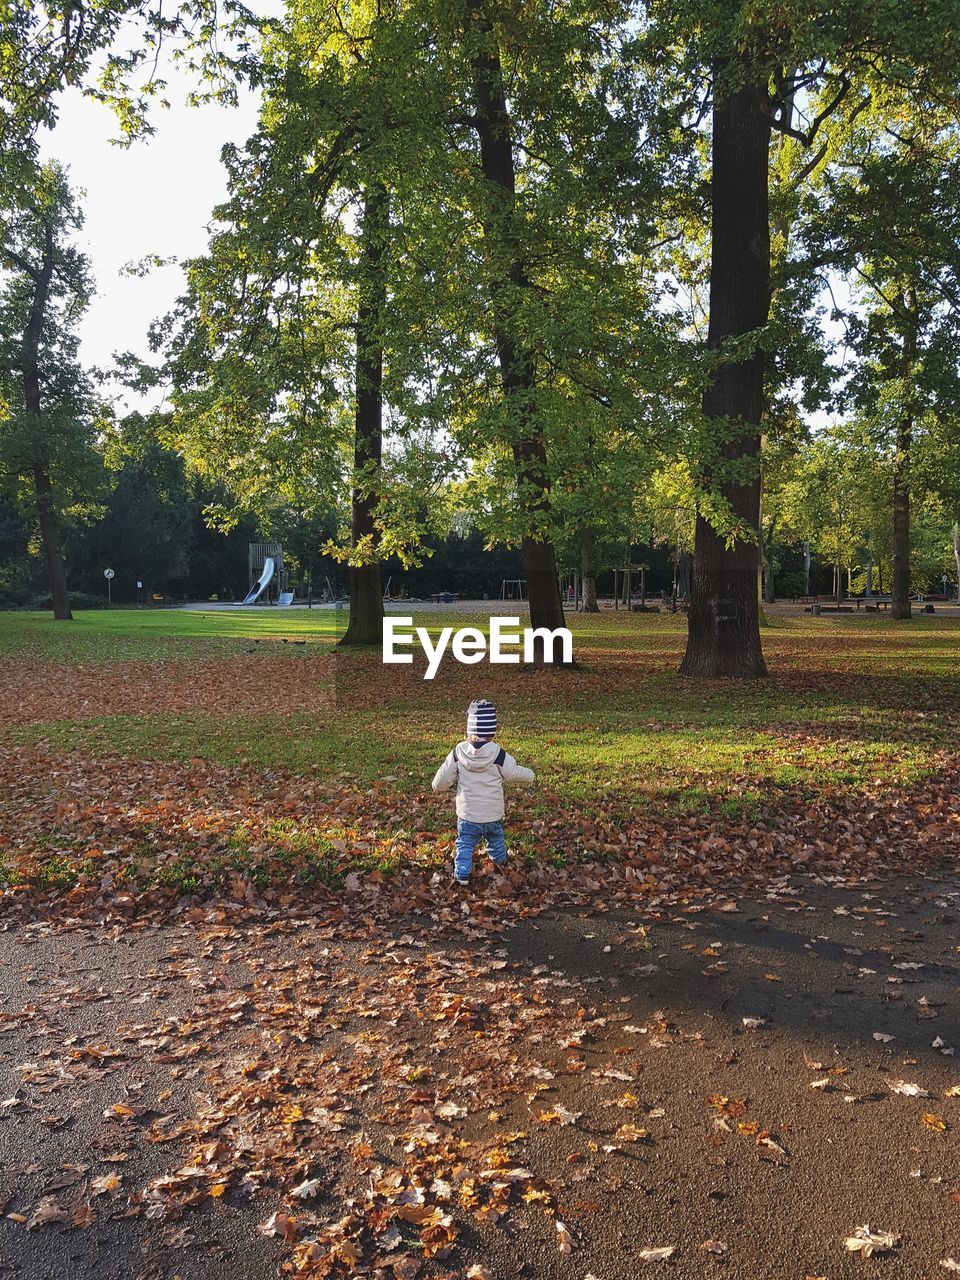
(479, 778)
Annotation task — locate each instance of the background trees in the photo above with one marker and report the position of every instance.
(888, 214)
(577, 277)
(47, 428)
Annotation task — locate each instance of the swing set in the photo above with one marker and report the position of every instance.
(513, 589)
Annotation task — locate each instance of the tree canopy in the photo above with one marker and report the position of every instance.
(579, 275)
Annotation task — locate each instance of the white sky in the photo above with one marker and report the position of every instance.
(155, 197)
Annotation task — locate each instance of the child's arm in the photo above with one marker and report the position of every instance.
(446, 775)
(513, 772)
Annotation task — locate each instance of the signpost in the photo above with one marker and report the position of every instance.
(108, 574)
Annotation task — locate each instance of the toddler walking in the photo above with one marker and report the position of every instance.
(479, 767)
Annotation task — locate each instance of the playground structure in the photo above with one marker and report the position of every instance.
(513, 589)
(629, 587)
(623, 585)
(267, 577)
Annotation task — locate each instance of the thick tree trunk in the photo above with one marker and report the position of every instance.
(900, 606)
(508, 283)
(366, 597)
(50, 539)
(588, 570)
(33, 403)
(955, 539)
(724, 633)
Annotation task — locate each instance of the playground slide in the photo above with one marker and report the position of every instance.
(253, 596)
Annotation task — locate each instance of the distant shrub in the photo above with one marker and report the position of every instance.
(15, 597)
(78, 600)
(790, 585)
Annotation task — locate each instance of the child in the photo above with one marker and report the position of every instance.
(480, 768)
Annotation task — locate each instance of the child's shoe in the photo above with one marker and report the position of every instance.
(464, 881)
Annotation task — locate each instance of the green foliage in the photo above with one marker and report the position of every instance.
(595, 269)
(36, 245)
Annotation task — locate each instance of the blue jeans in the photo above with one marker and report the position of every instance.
(469, 835)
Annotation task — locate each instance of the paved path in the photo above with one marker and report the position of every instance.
(721, 1083)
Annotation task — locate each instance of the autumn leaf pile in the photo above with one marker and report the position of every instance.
(95, 837)
(38, 691)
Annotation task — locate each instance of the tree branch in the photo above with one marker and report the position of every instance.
(806, 136)
(20, 262)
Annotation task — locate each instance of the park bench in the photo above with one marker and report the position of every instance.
(875, 602)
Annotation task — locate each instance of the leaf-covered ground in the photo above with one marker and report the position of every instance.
(246, 1015)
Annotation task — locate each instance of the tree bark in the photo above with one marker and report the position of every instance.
(724, 633)
(508, 284)
(588, 570)
(366, 595)
(33, 404)
(955, 539)
(900, 605)
(769, 580)
(50, 540)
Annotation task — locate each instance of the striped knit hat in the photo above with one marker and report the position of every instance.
(481, 719)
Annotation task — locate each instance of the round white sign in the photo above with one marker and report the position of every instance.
(108, 574)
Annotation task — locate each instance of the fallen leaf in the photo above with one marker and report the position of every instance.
(870, 1242)
(306, 1189)
(631, 1133)
(660, 1254)
(908, 1090)
(717, 1247)
(934, 1122)
(109, 1184)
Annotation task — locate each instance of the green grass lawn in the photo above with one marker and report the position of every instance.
(146, 635)
(339, 750)
(851, 702)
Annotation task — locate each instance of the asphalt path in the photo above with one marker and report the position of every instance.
(745, 1090)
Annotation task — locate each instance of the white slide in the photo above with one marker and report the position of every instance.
(253, 596)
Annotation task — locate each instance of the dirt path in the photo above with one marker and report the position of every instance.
(419, 1098)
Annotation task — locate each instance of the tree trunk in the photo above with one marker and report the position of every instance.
(50, 539)
(724, 632)
(900, 606)
(955, 539)
(769, 580)
(588, 568)
(683, 573)
(33, 404)
(509, 281)
(366, 596)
